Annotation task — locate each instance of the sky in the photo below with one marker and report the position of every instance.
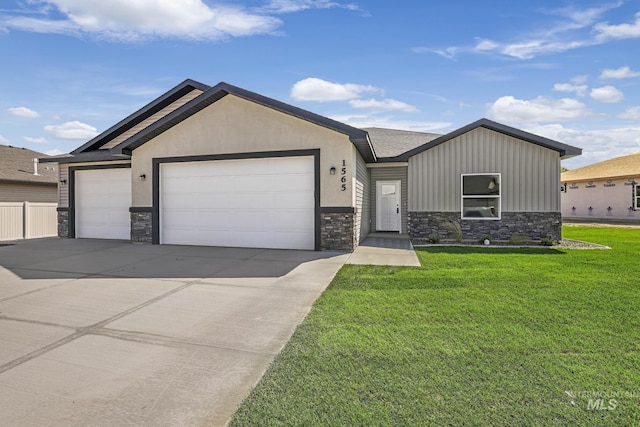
(566, 70)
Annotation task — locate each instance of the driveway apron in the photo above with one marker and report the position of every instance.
(104, 333)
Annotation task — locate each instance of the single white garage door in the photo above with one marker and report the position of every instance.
(256, 203)
(102, 199)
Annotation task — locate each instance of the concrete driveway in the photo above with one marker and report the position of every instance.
(106, 333)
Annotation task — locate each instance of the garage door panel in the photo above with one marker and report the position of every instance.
(244, 203)
(183, 199)
(102, 199)
(295, 181)
(292, 200)
(250, 201)
(288, 220)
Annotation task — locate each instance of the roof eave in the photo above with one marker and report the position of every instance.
(92, 156)
(358, 137)
(565, 151)
(148, 110)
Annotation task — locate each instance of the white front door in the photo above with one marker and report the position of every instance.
(388, 206)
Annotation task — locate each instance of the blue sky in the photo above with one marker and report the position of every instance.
(566, 70)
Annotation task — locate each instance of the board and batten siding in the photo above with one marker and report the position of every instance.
(530, 173)
(363, 199)
(394, 173)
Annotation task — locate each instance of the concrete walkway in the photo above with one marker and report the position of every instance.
(108, 333)
(385, 249)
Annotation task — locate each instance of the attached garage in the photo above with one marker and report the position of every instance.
(259, 202)
(102, 200)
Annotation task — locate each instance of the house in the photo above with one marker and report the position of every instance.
(28, 194)
(606, 190)
(22, 180)
(223, 166)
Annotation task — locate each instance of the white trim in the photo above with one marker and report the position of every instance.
(473, 196)
(398, 185)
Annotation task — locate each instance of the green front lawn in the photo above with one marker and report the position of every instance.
(476, 336)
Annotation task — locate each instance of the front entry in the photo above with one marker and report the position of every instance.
(388, 206)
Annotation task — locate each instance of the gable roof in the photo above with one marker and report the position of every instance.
(357, 136)
(618, 167)
(142, 114)
(91, 150)
(393, 142)
(566, 151)
(189, 97)
(16, 165)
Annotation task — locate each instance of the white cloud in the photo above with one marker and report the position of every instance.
(631, 113)
(385, 104)
(619, 73)
(54, 152)
(606, 31)
(568, 31)
(607, 94)
(4, 140)
(23, 112)
(72, 130)
(126, 20)
(288, 6)
(39, 140)
(597, 144)
(578, 80)
(314, 89)
(541, 109)
(580, 90)
(391, 122)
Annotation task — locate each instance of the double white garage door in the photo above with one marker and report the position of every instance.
(260, 203)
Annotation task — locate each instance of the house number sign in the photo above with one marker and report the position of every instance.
(343, 176)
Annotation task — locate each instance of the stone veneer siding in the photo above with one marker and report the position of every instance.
(141, 227)
(63, 222)
(337, 232)
(534, 225)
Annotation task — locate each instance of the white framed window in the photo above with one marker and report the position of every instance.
(636, 197)
(481, 196)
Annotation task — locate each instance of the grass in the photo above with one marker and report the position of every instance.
(476, 336)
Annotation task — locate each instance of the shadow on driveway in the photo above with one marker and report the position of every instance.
(72, 258)
(108, 333)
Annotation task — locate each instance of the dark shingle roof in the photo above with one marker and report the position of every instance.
(392, 142)
(16, 164)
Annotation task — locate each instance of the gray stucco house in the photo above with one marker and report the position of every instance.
(223, 166)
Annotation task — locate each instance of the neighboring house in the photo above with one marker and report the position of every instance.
(605, 190)
(223, 166)
(28, 194)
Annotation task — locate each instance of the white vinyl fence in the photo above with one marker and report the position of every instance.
(28, 220)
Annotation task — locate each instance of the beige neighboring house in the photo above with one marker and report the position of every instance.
(28, 196)
(605, 190)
